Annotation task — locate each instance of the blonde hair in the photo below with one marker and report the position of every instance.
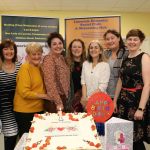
(33, 47)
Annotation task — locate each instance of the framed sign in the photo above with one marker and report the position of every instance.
(22, 30)
(90, 28)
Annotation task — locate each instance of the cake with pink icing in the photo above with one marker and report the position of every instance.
(70, 131)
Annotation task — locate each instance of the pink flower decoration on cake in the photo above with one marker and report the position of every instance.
(34, 145)
(47, 142)
(60, 129)
(72, 119)
(61, 147)
(31, 129)
(28, 148)
(39, 116)
(92, 144)
(36, 115)
(93, 127)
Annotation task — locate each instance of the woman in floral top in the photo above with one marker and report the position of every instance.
(56, 74)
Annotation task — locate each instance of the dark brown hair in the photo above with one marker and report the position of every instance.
(117, 34)
(52, 36)
(5, 44)
(137, 33)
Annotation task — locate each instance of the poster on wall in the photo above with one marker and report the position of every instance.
(90, 28)
(23, 30)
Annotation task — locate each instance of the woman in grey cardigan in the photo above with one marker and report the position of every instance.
(115, 53)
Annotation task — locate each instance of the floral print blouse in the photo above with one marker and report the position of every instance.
(56, 77)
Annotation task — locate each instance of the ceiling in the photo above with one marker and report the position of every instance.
(76, 5)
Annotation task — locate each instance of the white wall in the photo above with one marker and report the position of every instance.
(145, 47)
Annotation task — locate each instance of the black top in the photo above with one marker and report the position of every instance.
(130, 96)
(76, 76)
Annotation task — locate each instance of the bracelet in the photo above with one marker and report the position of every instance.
(141, 109)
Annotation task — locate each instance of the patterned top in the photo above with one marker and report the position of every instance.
(131, 72)
(96, 77)
(56, 77)
(7, 91)
(128, 101)
(114, 67)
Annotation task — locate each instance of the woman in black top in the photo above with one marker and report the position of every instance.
(132, 101)
(76, 56)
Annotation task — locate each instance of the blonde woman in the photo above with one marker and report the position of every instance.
(30, 90)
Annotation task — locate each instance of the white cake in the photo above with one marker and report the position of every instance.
(70, 132)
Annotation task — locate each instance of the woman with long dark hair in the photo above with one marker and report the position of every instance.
(75, 58)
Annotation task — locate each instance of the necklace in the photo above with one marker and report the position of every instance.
(132, 55)
(8, 68)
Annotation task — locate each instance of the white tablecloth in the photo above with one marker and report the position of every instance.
(21, 144)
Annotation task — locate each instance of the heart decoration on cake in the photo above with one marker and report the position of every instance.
(60, 129)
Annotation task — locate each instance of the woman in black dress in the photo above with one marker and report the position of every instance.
(75, 58)
(133, 89)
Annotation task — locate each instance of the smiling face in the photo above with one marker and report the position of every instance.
(35, 58)
(94, 50)
(56, 46)
(112, 41)
(133, 43)
(76, 49)
(8, 53)
(34, 53)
